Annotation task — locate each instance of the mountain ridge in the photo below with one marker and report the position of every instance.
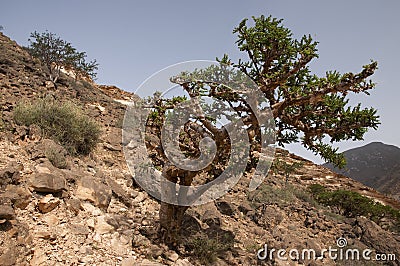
(376, 165)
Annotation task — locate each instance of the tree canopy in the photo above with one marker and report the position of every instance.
(305, 108)
(55, 53)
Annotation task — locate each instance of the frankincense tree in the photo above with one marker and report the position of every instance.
(306, 108)
(55, 53)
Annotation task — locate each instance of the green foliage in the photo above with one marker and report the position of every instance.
(56, 157)
(206, 249)
(55, 53)
(304, 196)
(353, 204)
(266, 194)
(281, 196)
(280, 166)
(65, 123)
(307, 108)
(316, 189)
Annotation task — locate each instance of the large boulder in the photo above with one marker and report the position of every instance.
(7, 212)
(119, 192)
(48, 183)
(20, 197)
(93, 191)
(48, 203)
(375, 237)
(10, 174)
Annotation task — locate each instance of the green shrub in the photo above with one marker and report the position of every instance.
(266, 194)
(304, 196)
(316, 189)
(56, 157)
(65, 123)
(281, 196)
(206, 250)
(353, 204)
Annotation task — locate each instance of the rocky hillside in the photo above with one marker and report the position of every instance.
(89, 210)
(376, 165)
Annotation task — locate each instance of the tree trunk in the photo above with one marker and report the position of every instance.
(171, 218)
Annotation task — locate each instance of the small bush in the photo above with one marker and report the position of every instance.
(353, 204)
(281, 196)
(65, 123)
(266, 194)
(316, 189)
(206, 250)
(304, 196)
(56, 157)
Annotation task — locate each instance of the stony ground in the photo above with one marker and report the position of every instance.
(91, 212)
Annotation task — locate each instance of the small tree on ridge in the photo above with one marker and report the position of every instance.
(55, 53)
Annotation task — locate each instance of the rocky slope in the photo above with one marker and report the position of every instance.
(93, 213)
(376, 165)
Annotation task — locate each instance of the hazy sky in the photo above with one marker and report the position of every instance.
(133, 39)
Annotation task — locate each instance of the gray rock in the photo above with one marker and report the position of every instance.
(9, 257)
(271, 217)
(74, 205)
(20, 197)
(139, 240)
(245, 207)
(225, 207)
(44, 148)
(7, 212)
(117, 190)
(377, 238)
(48, 183)
(78, 229)
(91, 190)
(211, 218)
(11, 174)
(155, 251)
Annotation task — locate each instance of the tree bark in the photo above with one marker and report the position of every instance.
(171, 218)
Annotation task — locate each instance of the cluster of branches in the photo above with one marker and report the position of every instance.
(55, 53)
(190, 136)
(307, 108)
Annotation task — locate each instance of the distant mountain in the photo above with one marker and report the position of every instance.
(376, 165)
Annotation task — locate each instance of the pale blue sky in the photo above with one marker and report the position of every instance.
(133, 39)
